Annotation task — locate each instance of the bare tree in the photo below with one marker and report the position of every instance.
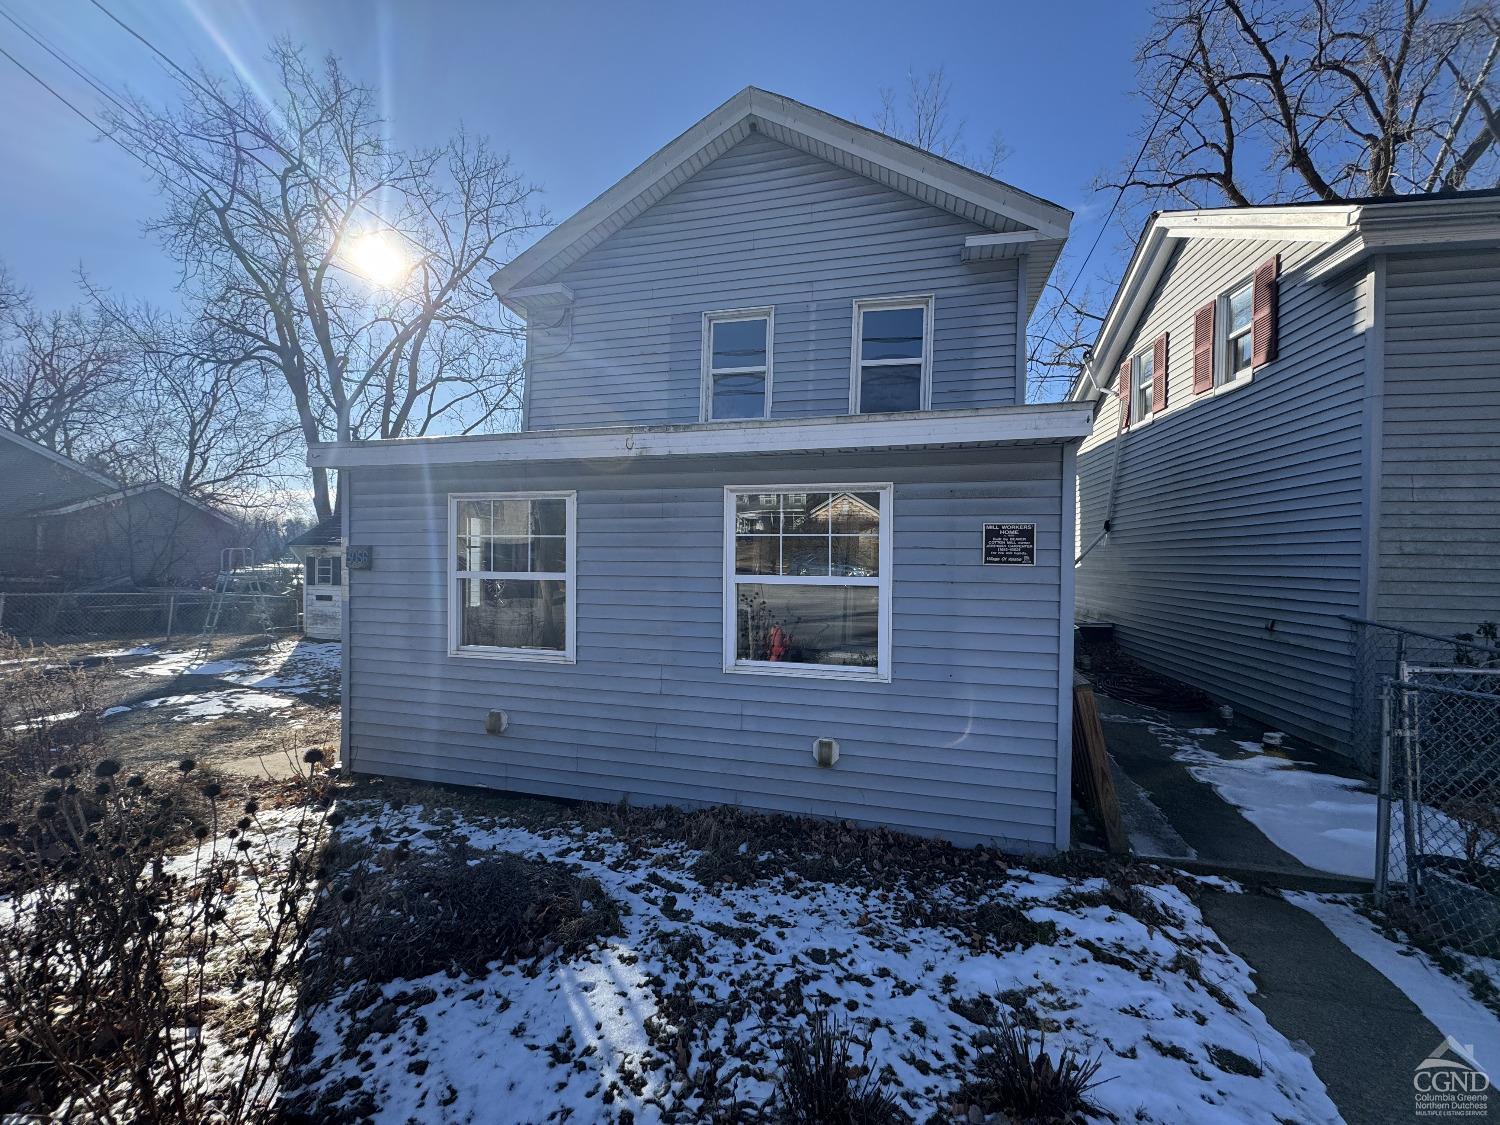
(1261, 101)
(199, 413)
(921, 114)
(62, 378)
(356, 272)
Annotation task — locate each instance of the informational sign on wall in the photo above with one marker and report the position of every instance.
(358, 558)
(1010, 544)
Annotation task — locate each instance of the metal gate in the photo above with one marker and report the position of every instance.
(1438, 832)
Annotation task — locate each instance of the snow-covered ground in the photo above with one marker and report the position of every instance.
(709, 974)
(269, 680)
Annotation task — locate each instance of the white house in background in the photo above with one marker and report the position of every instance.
(320, 550)
(779, 530)
(1296, 418)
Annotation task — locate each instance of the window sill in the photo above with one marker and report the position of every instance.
(531, 655)
(1202, 396)
(809, 671)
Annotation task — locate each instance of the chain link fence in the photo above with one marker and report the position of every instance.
(142, 617)
(1380, 651)
(1438, 867)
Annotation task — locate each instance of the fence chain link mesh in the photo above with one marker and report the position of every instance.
(1438, 834)
(142, 617)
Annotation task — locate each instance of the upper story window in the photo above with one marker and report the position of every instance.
(737, 347)
(1236, 314)
(1142, 368)
(511, 575)
(892, 355)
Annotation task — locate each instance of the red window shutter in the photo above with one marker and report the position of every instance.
(1263, 324)
(1203, 348)
(1159, 374)
(1122, 387)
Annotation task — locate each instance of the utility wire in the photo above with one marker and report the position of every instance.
(1110, 214)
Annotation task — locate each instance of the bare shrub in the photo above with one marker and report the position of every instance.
(1010, 1076)
(820, 1083)
(48, 713)
(139, 982)
(396, 914)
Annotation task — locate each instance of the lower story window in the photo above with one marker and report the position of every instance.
(808, 577)
(512, 576)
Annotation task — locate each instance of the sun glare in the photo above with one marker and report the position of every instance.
(379, 258)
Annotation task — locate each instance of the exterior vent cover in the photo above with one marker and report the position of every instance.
(825, 751)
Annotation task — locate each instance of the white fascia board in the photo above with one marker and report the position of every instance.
(1013, 244)
(556, 297)
(1052, 423)
(1145, 270)
(750, 104)
(1299, 224)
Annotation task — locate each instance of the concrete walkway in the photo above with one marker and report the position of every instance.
(1365, 1037)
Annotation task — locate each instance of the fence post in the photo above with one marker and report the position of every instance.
(171, 613)
(2, 607)
(1383, 802)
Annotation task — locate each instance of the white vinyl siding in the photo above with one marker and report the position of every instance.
(511, 593)
(962, 742)
(766, 224)
(808, 580)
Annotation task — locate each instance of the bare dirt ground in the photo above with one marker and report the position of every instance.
(249, 705)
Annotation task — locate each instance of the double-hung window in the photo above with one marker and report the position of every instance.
(808, 580)
(892, 369)
(1236, 314)
(511, 586)
(1141, 370)
(737, 349)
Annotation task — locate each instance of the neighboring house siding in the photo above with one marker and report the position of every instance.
(962, 743)
(1238, 518)
(1439, 543)
(767, 224)
(32, 481)
(151, 538)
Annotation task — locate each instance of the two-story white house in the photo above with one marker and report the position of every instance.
(1297, 422)
(779, 530)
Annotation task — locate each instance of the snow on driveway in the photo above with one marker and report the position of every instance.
(1326, 822)
(728, 968)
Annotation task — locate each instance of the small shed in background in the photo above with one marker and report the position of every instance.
(321, 552)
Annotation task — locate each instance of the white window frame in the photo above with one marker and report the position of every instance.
(1141, 397)
(708, 371)
(881, 673)
(452, 577)
(320, 564)
(924, 302)
(1224, 375)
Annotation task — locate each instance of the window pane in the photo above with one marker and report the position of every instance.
(473, 517)
(739, 343)
(1241, 306)
(510, 517)
(831, 625)
(805, 555)
(892, 334)
(739, 396)
(549, 554)
(506, 554)
(856, 556)
(501, 613)
(885, 390)
(855, 512)
(757, 513)
(549, 517)
(756, 554)
(804, 513)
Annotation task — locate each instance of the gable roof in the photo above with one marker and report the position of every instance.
(108, 489)
(1021, 223)
(1352, 231)
(324, 533)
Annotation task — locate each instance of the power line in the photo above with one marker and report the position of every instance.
(1110, 214)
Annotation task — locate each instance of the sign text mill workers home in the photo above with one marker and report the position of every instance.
(778, 531)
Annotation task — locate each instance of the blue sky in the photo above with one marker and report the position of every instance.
(578, 93)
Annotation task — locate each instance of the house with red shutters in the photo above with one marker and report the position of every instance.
(1296, 423)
